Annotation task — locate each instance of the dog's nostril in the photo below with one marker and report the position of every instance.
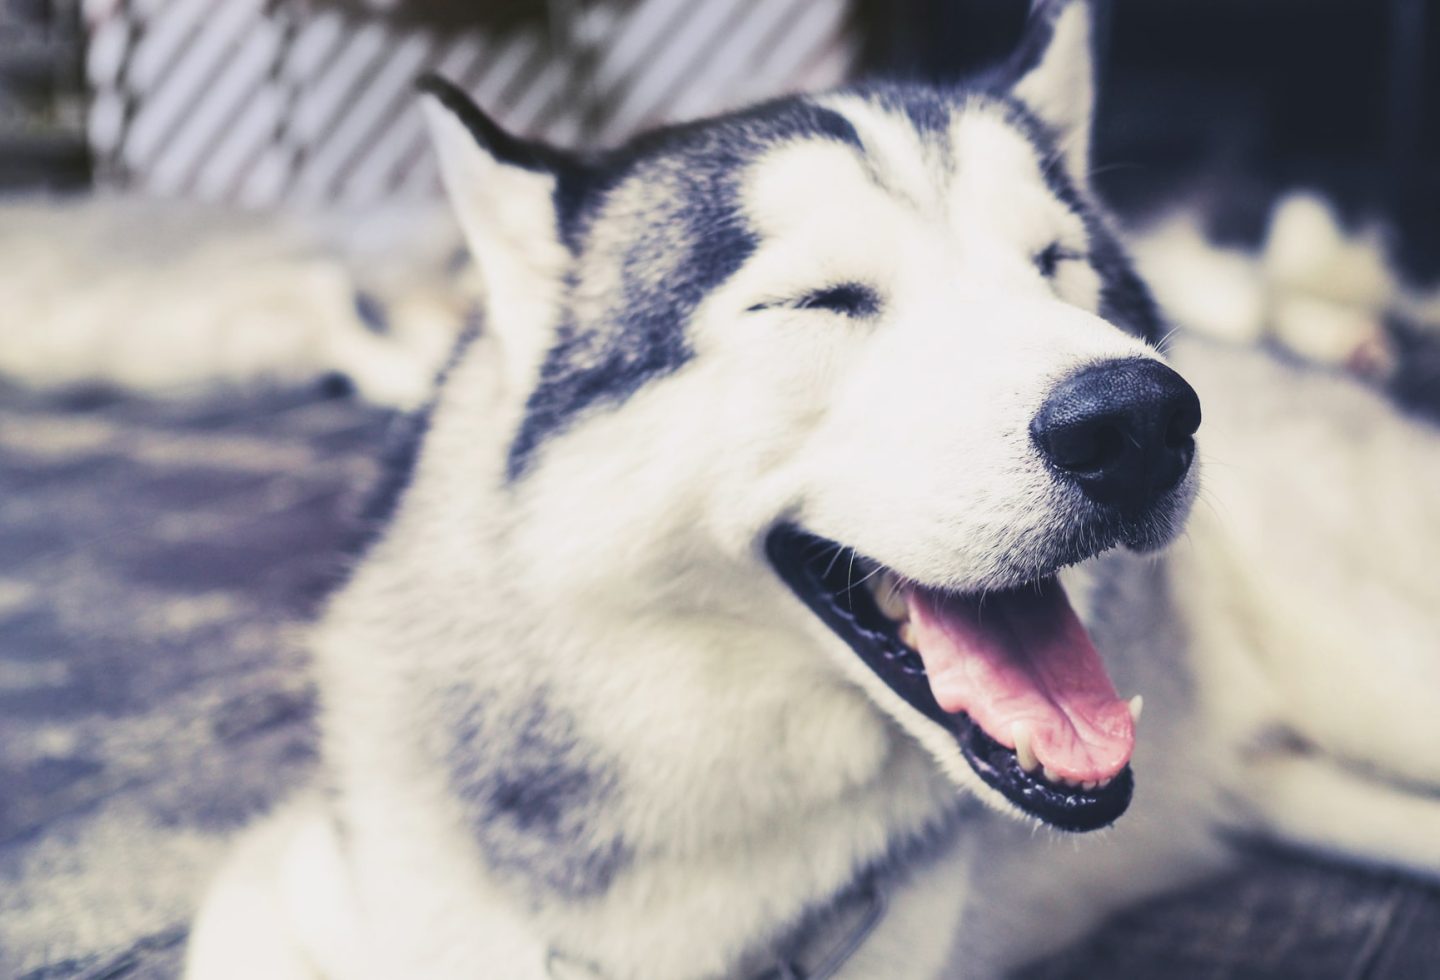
(1180, 433)
(1082, 447)
(1123, 431)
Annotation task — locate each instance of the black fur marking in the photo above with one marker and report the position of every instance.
(1048, 260)
(1125, 300)
(371, 313)
(531, 797)
(930, 110)
(834, 126)
(853, 299)
(498, 143)
(848, 298)
(335, 384)
(678, 188)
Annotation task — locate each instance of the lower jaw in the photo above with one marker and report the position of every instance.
(1064, 807)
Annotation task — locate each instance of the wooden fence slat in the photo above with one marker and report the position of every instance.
(263, 101)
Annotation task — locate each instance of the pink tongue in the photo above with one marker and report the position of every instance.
(1022, 658)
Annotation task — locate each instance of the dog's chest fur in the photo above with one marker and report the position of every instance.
(654, 790)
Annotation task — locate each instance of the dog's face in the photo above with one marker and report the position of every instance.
(880, 344)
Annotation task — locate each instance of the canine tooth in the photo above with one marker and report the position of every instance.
(886, 590)
(907, 634)
(1137, 704)
(1024, 751)
(1053, 776)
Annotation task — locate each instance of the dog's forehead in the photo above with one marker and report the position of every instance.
(695, 167)
(947, 159)
(683, 208)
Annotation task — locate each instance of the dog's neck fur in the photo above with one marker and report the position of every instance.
(766, 780)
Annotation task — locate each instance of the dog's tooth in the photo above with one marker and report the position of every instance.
(1053, 776)
(907, 634)
(893, 602)
(1137, 704)
(1090, 785)
(885, 588)
(1024, 751)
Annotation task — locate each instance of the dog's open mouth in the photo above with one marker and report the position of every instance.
(1011, 674)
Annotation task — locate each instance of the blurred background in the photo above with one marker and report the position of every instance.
(294, 122)
(258, 102)
(227, 277)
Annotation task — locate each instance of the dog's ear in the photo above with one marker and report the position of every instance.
(503, 190)
(1053, 73)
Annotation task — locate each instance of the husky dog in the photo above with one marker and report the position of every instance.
(727, 577)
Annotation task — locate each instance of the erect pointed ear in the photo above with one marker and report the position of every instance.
(503, 191)
(1053, 73)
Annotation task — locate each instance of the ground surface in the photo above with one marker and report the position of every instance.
(157, 564)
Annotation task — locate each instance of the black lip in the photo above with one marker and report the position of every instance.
(808, 565)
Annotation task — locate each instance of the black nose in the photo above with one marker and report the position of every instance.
(1122, 430)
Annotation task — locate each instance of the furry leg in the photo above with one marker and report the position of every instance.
(1313, 801)
(280, 908)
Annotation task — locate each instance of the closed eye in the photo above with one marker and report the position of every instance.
(1048, 259)
(851, 299)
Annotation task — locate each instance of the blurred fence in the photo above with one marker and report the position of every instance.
(262, 101)
(42, 139)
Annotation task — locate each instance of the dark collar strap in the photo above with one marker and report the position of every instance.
(827, 941)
